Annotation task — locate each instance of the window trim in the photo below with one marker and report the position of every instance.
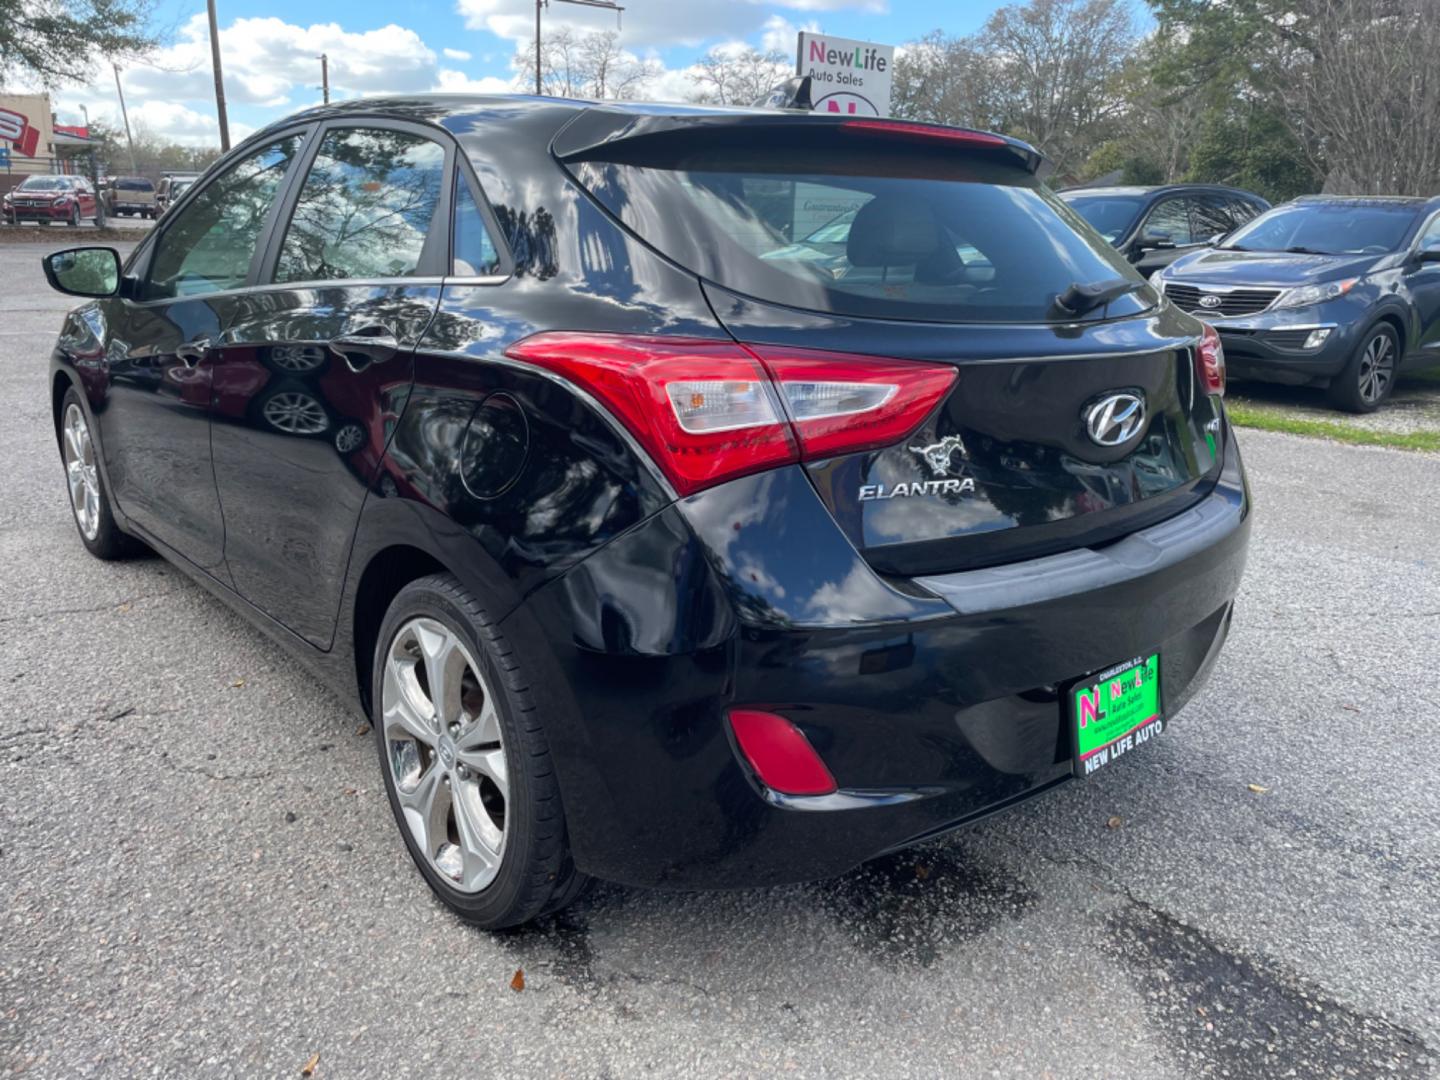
(429, 270)
(466, 173)
(137, 268)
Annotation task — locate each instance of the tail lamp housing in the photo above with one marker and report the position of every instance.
(708, 411)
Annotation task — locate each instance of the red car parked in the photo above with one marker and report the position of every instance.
(50, 198)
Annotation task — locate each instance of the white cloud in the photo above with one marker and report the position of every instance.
(455, 54)
(457, 82)
(642, 26)
(780, 34)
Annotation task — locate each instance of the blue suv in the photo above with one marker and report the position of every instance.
(1341, 292)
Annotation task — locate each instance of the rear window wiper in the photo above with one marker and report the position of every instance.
(1078, 298)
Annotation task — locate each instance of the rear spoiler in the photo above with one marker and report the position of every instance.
(604, 130)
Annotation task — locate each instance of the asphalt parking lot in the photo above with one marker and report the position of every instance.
(201, 876)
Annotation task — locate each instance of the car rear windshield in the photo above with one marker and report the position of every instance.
(862, 228)
(1339, 228)
(1109, 215)
(135, 185)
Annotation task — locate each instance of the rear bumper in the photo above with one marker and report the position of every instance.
(933, 702)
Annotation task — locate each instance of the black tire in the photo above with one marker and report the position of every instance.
(536, 874)
(1359, 388)
(108, 542)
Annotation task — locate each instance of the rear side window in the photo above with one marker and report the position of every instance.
(365, 208)
(860, 227)
(208, 245)
(475, 251)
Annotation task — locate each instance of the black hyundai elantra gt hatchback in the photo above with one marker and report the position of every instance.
(690, 497)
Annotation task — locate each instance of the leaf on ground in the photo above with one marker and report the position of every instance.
(922, 871)
(363, 729)
(237, 684)
(1114, 822)
(1350, 708)
(351, 790)
(1257, 789)
(311, 1065)
(517, 981)
(122, 609)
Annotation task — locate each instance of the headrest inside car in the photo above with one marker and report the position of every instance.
(892, 232)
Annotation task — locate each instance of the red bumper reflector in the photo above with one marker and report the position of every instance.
(780, 754)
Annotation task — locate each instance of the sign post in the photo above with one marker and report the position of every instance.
(851, 77)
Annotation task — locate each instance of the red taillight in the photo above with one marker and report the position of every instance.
(1210, 362)
(905, 129)
(782, 757)
(709, 411)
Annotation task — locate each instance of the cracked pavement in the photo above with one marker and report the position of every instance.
(201, 876)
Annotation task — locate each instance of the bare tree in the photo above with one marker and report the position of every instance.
(585, 65)
(739, 75)
(1363, 93)
(1045, 70)
(1056, 63)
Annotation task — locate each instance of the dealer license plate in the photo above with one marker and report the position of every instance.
(1115, 711)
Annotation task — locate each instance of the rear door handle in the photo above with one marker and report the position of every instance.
(365, 345)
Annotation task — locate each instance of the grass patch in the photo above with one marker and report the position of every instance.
(1336, 430)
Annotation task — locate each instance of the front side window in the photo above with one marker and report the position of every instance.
(1171, 219)
(365, 208)
(1211, 215)
(208, 246)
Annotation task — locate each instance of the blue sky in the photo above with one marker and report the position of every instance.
(269, 50)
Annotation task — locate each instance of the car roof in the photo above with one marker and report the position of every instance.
(1153, 189)
(642, 116)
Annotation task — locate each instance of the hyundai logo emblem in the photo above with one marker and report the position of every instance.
(1116, 418)
(1210, 300)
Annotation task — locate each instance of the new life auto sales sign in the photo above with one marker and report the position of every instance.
(846, 76)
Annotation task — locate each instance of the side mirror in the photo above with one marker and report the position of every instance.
(1155, 240)
(87, 271)
(1428, 254)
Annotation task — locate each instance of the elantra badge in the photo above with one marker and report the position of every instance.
(940, 457)
(1116, 418)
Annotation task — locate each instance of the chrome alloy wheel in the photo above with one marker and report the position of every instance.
(1377, 368)
(444, 752)
(80, 472)
(296, 414)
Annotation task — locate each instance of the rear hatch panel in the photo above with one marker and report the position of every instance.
(1014, 425)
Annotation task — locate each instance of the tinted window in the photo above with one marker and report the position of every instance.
(1339, 228)
(861, 229)
(475, 252)
(1111, 215)
(365, 208)
(1171, 218)
(208, 245)
(1210, 214)
(135, 185)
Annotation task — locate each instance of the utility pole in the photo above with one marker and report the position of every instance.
(325, 76)
(219, 80)
(608, 5)
(124, 116)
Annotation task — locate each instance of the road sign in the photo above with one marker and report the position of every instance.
(852, 77)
